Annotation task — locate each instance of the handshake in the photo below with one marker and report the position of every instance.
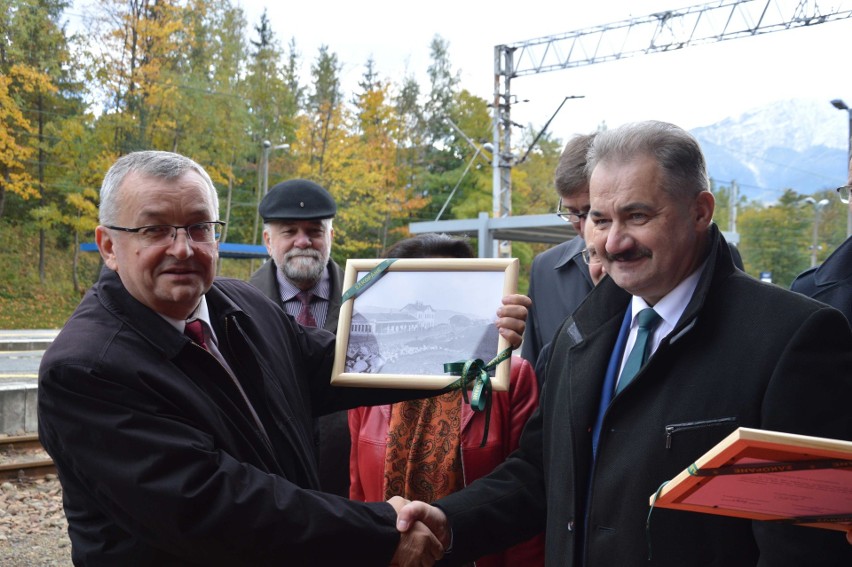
(425, 533)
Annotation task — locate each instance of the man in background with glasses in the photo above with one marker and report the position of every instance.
(596, 272)
(179, 408)
(559, 278)
(831, 282)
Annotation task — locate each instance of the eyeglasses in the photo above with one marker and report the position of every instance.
(844, 193)
(164, 234)
(590, 256)
(569, 216)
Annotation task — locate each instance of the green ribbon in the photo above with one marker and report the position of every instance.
(476, 372)
(771, 467)
(648, 519)
(369, 279)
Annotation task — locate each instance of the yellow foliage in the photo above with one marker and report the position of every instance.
(16, 129)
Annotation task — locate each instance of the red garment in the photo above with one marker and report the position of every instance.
(510, 410)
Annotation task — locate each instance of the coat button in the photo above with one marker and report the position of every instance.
(571, 526)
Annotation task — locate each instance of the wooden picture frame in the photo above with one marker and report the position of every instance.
(771, 476)
(419, 314)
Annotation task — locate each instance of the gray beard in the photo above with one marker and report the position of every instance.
(303, 266)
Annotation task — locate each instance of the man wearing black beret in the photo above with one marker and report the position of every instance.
(303, 279)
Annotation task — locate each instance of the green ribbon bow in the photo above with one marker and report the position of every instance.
(476, 372)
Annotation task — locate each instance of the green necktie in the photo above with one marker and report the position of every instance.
(648, 319)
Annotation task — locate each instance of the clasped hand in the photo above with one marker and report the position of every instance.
(424, 533)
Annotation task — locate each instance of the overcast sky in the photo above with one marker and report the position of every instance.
(691, 87)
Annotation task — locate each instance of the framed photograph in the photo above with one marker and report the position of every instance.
(419, 314)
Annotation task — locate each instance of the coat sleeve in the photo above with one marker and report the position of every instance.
(809, 394)
(132, 457)
(531, 344)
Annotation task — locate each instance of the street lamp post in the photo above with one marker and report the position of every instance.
(264, 185)
(268, 147)
(840, 105)
(818, 206)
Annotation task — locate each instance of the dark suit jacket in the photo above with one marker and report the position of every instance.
(160, 460)
(559, 282)
(744, 354)
(831, 282)
(332, 432)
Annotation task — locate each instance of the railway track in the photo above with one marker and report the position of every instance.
(22, 458)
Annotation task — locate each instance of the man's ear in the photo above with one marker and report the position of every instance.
(267, 241)
(705, 205)
(106, 247)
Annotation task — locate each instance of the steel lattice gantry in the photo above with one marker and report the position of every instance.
(663, 31)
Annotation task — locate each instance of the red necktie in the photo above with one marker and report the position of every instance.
(305, 316)
(195, 331)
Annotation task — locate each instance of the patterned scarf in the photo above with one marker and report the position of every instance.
(423, 457)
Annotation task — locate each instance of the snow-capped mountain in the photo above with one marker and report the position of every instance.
(800, 144)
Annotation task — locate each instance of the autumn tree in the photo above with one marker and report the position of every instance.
(213, 116)
(134, 60)
(272, 87)
(375, 201)
(468, 168)
(15, 133)
(439, 154)
(410, 142)
(38, 43)
(322, 132)
(775, 238)
(273, 107)
(444, 84)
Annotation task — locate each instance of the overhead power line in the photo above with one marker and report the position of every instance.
(659, 32)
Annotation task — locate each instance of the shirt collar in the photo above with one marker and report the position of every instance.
(288, 291)
(673, 304)
(202, 313)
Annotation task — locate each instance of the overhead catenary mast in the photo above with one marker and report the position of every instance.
(659, 32)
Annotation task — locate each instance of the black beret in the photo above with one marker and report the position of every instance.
(297, 199)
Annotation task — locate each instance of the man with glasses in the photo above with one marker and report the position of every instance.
(596, 272)
(178, 407)
(559, 278)
(831, 282)
(668, 354)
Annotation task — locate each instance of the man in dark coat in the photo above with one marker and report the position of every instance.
(297, 231)
(179, 409)
(728, 351)
(831, 282)
(559, 278)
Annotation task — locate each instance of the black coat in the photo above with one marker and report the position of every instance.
(831, 282)
(159, 458)
(744, 353)
(559, 282)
